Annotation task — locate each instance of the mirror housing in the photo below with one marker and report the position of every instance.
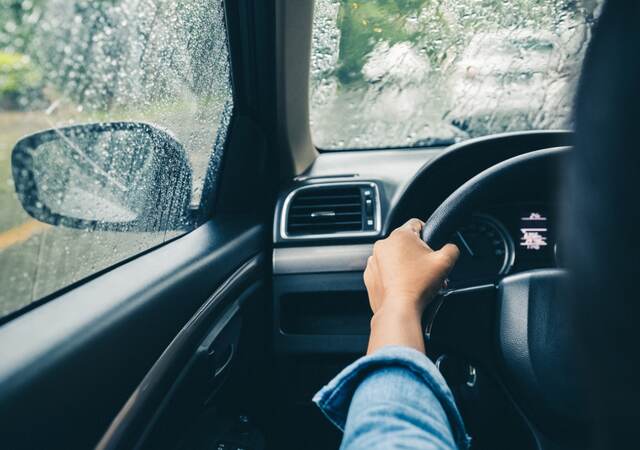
(115, 176)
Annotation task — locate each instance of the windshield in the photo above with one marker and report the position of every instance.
(407, 73)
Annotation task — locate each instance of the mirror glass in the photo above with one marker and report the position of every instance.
(95, 175)
(124, 176)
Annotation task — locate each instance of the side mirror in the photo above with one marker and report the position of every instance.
(117, 176)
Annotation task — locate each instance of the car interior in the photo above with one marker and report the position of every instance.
(218, 337)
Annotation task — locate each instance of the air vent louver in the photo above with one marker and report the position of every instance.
(328, 210)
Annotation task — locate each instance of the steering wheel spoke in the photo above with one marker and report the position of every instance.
(460, 333)
(483, 344)
(460, 321)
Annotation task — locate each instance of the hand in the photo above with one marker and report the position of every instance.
(402, 276)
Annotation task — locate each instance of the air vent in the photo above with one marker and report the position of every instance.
(332, 210)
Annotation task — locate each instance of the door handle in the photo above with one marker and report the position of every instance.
(223, 362)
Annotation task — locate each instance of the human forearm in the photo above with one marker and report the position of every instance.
(396, 327)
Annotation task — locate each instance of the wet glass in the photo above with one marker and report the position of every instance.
(76, 177)
(409, 73)
(74, 62)
(123, 176)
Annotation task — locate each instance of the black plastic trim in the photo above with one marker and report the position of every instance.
(321, 259)
(335, 344)
(144, 403)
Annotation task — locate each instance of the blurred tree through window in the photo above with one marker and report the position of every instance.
(430, 72)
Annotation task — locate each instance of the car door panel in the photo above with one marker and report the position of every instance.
(68, 366)
(191, 370)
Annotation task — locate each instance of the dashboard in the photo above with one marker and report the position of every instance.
(327, 220)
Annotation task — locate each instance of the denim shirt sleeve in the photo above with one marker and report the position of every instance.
(395, 398)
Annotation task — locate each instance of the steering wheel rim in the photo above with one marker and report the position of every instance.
(532, 344)
(487, 184)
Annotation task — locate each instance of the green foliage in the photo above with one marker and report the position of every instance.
(434, 27)
(17, 74)
(18, 22)
(363, 24)
(85, 51)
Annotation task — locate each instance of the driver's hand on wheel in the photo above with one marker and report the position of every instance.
(402, 276)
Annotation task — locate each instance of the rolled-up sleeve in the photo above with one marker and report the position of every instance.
(395, 398)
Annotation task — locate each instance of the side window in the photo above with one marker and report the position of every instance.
(112, 118)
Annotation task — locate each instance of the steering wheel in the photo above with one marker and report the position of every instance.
(519, 329)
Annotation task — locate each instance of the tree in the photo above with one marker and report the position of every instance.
(436, 27)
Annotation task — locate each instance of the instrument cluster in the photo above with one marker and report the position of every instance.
(503, 240)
